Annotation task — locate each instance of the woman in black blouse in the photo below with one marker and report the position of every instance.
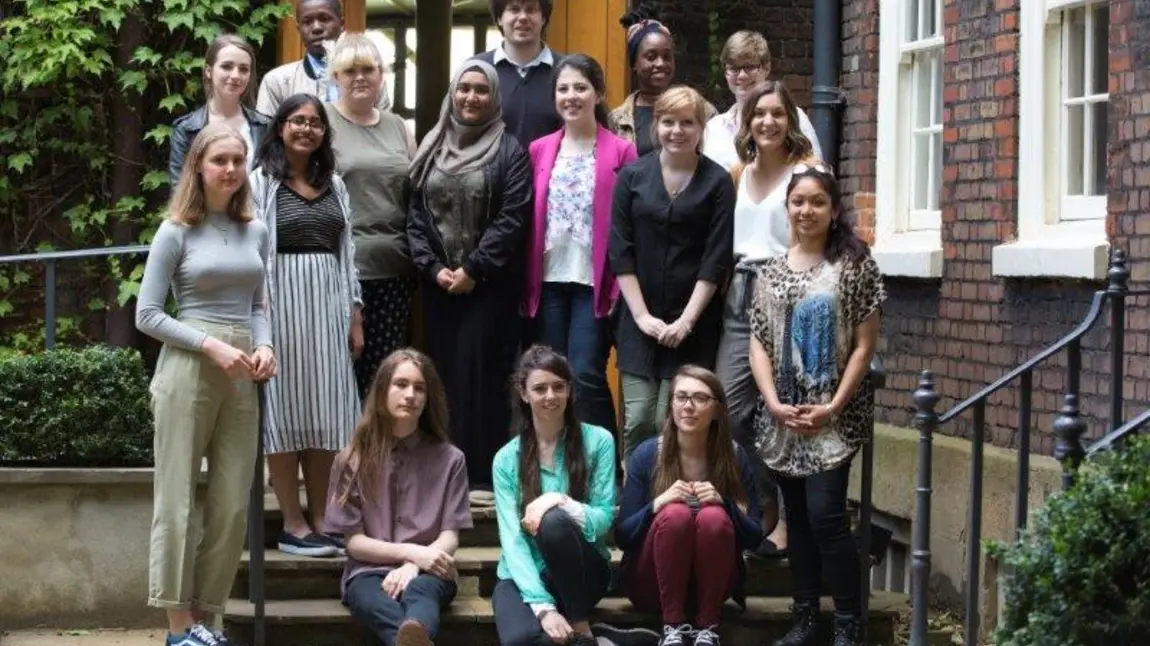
(671, 248)
(469, 216)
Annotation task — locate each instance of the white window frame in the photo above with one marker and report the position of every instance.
(1059, 235)
(908, 241)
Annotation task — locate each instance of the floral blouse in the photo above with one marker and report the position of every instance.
(806, 321)
(570, 193)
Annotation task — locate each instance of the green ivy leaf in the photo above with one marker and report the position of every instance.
(134, 80)
(19, 161)
(112, 16)
(173, 101)
(146, 55)
(154, 179)
(176, 19)
(128, 291)
(159, 134)
(6, 307)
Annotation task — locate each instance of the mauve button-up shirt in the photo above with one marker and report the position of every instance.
(422, 492)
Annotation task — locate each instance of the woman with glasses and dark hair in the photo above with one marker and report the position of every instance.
(313, 291)
(815, 324)
(687, 513)
(373, 151)
(229, 82)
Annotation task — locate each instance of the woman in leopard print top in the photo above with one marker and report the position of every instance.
(815, 324)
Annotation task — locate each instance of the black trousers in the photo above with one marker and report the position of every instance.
(381, 616)
(819, 538)
(575, 573)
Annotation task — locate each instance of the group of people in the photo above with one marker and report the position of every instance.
(536, 231)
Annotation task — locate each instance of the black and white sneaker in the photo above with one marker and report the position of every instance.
(311, 545)
(626, 636)
(336, 541)
(676, 635)
(708, 636)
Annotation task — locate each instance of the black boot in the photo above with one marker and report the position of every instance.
(847, 631)
(804, 625)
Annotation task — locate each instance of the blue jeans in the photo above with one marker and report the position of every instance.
(566, 322)
(381, 616)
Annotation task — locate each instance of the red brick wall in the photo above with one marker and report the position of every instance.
(970, 327)
(701, 27)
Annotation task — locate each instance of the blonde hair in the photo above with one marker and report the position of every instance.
(188, 205)
(354, 50)
(675, 99)
(746, 45)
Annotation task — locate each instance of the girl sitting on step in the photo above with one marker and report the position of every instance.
(688, 512)
(555, 503)
(399, 496)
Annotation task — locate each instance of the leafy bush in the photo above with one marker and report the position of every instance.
(1081, 573)
(75, 407)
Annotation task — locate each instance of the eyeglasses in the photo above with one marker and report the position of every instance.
(813, 167)
(698, 399)
(733, 70)
(304, 123)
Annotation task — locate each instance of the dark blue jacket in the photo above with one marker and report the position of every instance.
(636, 510)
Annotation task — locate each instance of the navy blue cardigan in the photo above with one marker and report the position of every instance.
(636, 510)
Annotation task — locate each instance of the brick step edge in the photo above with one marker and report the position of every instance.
(884, 606)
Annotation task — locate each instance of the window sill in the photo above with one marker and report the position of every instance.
(1061, 251)
(910, 255)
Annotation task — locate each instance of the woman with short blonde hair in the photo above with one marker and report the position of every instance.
(670, 248)
(746, 63)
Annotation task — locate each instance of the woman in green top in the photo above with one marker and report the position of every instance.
(555, 502)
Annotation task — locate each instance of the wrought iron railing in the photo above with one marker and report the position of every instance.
(1069, 427)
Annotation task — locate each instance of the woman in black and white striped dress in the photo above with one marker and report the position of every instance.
(313, 402)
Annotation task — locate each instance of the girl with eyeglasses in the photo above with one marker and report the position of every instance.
(815, 324)
(770, 142)
(313, 292)
(746, 63)
(373, 151)
(688, 511)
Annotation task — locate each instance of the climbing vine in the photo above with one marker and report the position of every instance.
(87, 92)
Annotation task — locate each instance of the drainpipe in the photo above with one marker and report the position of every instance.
(826, 95)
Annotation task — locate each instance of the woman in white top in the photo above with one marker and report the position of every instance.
(770, 142)
(746, 60)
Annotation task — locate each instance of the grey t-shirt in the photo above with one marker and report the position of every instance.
(374, 162)
(216, 270)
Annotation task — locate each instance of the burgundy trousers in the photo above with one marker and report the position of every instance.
(686, 565)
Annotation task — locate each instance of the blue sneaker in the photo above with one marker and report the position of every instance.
(198, 635)
(311, 545)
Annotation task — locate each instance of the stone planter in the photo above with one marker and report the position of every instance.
(75, 548)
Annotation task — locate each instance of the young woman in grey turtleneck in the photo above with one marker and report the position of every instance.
(210, 254)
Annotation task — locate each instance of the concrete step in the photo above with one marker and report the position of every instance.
(484, 534)
(300, 577)
(469, 620)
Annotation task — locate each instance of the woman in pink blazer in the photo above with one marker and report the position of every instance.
(570, 289)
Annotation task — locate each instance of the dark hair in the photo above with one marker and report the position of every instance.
(640, 23)
(498, 6)
(335, 5)
(272, 157)
(542, 357)
(797, 145)
(842, 239)
(593, 72)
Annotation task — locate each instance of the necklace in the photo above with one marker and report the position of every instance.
(224, 230)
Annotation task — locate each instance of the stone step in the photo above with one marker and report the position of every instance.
(469, 620)
(484, 534)
(299, 577)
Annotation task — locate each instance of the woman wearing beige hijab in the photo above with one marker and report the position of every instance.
(469, 216)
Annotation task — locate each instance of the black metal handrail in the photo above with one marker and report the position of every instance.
(1069, 427)
(1118, 436)
(256, 584)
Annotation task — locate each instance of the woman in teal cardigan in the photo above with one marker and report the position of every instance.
(555, 503)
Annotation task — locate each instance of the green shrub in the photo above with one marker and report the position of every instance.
(75, 407)
(1081, 573)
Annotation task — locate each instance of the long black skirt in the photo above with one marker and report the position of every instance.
(473, 339)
